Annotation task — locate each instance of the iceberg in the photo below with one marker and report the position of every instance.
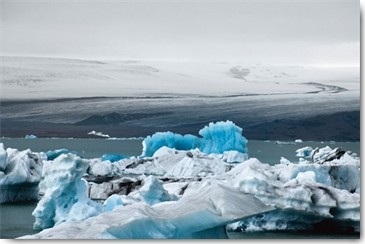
(93, 132)
(112, 157)
(112, 202)
(277, 220)
(216, 138)
(319, 190)
(185, 186)
(30, 137)
(152, 192)
(180, 142)
(183, 201)
(51, 155)
(20, 173)
(65, 193)
(304, 152)
(201, 215)
(222, 136)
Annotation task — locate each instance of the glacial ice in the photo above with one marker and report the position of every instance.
(304, 152)
(216, 138)
(112, 201)
(295, 186)
(65, 193)
(102, 168)
(30, 137)
(187, 193)
(101, 134)
(180, 142)
(20, 173)
(3, 158)
(222, 136)
(193, 216)
(152, 192)
(112, 157)
(280, 219)
(51, 155)
(314, 192)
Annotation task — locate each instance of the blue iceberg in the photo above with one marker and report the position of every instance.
(169, 139)
(112, 157)
(216, 138)
(222, 136)
(51, 155)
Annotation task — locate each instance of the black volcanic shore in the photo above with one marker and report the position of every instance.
(341, 126)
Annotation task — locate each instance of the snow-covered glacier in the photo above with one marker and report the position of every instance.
(188, 193)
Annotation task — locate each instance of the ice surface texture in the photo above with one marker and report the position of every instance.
(65, 197)
(189, 187)
(193, 216)
(192, 209)
(216, 138)
(20, 173)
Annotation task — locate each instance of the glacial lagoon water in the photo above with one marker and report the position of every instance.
(16, 219)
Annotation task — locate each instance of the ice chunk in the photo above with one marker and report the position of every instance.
(30, 137)
(51, 155)
(284, 220)
(304, 152)
(113, 201)
(327, 154)
(21, 167)
(20, 173)
(3, 157)
(305, 186)
(194, 164)
(93, 132)
(212, 207)
(284, 160)
(216, 138)
(222, 136)
(112, 157)
(152, 143)
(103, 168)
(65, 195)
(152, 191)
(234, 157)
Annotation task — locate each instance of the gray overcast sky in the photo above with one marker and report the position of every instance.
(258, 31)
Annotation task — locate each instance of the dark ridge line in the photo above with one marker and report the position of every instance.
(322, 87)
(55, 100)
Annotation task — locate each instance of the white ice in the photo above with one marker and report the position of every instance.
(20, 173)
